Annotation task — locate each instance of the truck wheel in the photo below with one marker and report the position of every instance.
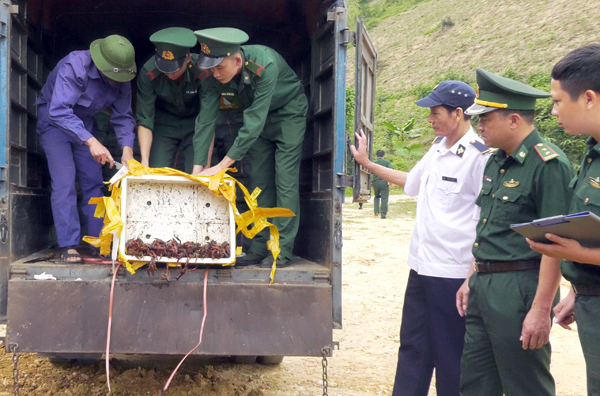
(269, 359)
(243, 359)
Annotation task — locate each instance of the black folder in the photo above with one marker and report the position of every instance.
(583, 227)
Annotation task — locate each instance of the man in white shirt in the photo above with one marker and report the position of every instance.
(447, 181)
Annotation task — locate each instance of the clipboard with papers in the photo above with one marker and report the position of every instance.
(583, 227)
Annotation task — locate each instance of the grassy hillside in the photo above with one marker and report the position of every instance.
(447, 39)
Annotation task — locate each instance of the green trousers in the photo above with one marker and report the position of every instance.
(587, 315)
(493, 361)
(172, 146)
(275, 169)
(381, 188)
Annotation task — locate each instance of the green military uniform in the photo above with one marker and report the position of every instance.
(586, 197)
(528, 184)
(169, 108)
(381, 189)
(274, 125)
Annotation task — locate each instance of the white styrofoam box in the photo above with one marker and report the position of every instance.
(166, 207)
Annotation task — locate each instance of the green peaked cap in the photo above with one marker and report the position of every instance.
(217, 44)
(172, 45)
(495, 92)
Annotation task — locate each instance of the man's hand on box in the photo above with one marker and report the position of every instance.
(224, 164)
(127, 155)
(211, 171)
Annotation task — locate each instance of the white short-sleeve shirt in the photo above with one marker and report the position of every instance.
(447, 182)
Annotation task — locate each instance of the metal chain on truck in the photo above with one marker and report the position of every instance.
(15, 359)
(324, 364)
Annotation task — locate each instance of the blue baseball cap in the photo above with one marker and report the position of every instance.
(450, 93)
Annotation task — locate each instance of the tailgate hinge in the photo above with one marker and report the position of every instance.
(347, 37)
(343, 181)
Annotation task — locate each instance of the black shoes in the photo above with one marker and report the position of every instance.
(282, 262)
(249, 259)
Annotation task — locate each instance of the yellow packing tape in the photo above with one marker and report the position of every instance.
(110, 209)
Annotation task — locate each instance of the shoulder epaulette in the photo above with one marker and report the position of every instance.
(437, 139)
(153, 74)
(545, 152)
(196, 71)
(254, 67)
(480, 146)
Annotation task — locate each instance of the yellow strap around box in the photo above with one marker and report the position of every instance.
(110, 209)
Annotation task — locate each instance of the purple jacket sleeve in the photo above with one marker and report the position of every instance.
(122, 117)
(70, 83)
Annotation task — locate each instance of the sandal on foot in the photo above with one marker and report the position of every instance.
(67, 257)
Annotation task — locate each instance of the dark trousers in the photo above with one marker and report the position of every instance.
(587, 314)
(431, 336)
(494, 362)
(275, 162)
(381, 188)
(69, 160)
(172, 146)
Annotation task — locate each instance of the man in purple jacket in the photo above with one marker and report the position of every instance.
(81, 85)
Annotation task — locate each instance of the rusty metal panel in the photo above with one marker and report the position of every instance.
(165, 318)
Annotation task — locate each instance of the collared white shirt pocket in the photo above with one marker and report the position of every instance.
(448, 192)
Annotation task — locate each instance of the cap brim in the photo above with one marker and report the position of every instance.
(168, 66)
(477, 109)
(208, 62)
(428, 101)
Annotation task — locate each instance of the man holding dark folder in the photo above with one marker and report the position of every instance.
(511, 289)
(576, 95)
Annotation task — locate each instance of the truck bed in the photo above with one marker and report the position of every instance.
(246, 315)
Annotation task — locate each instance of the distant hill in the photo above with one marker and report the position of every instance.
(447, 39)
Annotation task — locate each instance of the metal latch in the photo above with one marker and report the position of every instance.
(328, 349)
(335, 13)
(321, 276)
(223, 273)
(18, 271)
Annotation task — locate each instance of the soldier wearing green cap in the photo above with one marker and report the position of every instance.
(83, 84)
(511, 289)
(259, 80)
(168, 99)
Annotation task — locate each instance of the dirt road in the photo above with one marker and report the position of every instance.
(374, 279)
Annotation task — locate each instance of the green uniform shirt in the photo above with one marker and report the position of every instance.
(266, 83)
(586, 197)
(163, 101)
(518, 189)
(382, 162)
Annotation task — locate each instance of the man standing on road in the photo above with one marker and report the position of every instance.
(83, 84)
(576, 94)
(511, 289)
(168, 100)
(275, 108)
(381, 187)
(447, 181)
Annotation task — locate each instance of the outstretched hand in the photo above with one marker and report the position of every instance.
(360, 154)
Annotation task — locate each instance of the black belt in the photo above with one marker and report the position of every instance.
(487, 267)
(586, 290)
